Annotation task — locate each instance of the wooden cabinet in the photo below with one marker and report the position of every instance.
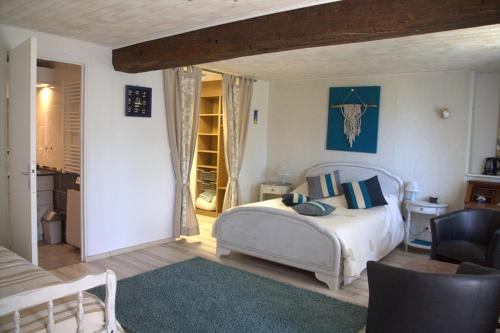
(477, 190)
(211, 170)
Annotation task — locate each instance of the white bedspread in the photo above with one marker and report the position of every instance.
(364, 234)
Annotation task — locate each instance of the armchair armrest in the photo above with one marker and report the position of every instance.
(448, 226)
(493, 253)
(475, 269)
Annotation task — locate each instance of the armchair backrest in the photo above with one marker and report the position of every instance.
(473, 225)
(481, 224)
(401, 300)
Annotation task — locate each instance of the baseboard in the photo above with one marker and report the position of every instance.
(128, 249)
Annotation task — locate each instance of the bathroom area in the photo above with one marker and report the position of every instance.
(58, 157)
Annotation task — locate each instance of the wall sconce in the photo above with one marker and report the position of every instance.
(445, 113)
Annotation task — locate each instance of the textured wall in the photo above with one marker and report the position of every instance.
(413, 140)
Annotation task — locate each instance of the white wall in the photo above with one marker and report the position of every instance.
(485, 119)
(253, 170)
(413, 141)
(128, 181)
(4, 222)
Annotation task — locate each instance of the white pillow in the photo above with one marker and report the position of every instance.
(302, 189)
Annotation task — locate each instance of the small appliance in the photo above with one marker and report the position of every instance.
(492, 166)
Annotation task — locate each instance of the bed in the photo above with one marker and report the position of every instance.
(33, 300)
(335, 247)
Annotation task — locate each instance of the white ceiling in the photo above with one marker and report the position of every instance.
(116, 23)
(467, 49)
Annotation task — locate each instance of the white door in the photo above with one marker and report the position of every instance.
(22, 142)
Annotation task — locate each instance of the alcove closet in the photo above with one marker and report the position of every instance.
(209, 174)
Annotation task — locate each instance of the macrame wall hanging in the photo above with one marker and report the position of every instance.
(355, 116)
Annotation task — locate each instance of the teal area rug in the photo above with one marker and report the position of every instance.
(198, 295)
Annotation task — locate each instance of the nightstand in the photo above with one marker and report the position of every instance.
(424, 208)
(271, 190)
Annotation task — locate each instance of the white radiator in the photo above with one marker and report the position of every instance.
(72, 92)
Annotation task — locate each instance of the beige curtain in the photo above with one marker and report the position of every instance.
(236, 97)
(182, 103)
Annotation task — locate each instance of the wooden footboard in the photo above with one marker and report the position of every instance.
(266, 233)
(15, 303)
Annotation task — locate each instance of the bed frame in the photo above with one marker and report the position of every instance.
(268, 234)
(15, 303)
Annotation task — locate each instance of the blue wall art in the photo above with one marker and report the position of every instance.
(353, 119)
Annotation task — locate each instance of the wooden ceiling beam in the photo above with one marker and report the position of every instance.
(343, 22)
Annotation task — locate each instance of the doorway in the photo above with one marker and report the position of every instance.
(45, 104)
(209, 175)
(58, 159)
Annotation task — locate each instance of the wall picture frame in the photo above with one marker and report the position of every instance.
(138, 101)
(353, 117)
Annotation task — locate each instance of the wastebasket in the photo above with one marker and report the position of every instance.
(51, 223)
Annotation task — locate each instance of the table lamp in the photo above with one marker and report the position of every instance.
(411, 190)
(283, 174)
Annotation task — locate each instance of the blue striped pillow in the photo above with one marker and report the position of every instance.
(314, 208)
(324, 186)
(364, 194)
(291, 199)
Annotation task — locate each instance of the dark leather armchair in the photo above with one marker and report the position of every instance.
(401, 300)
(467, 235)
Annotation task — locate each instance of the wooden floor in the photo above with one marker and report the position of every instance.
(132, 263)
(52, 256)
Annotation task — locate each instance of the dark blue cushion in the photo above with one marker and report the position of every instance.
(364, 194)
(291, 199)
(313, 208)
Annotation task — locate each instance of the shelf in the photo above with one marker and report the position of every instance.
(412, 243)
(485, 177)
(207, 166)
(477, 205)
(223, 188)
(208, 182)
(209, 114)
(207, 151)
(206, 212)
(209, 134)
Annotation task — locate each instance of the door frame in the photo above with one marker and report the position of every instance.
(84, 63)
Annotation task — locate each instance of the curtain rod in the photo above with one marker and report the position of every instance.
(221, 73)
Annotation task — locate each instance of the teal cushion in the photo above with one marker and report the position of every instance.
(324, 186)
(292, 199)
(313, 208)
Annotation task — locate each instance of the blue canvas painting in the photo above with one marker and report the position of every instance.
(353, 119)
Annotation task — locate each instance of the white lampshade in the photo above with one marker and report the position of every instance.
(412, 186)
(284, 171)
